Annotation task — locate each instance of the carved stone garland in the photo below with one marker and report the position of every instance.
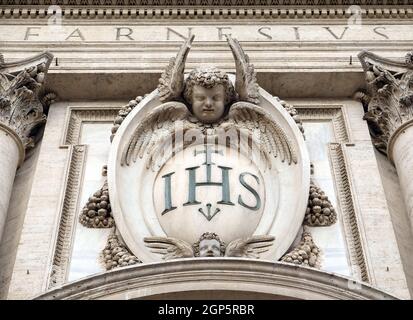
(306, 253)
(97, 211)
(320, 211)
(123, 113)
(116, 254)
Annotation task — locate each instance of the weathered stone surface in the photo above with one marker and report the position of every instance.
(313, 60)
(389, 98)
(116, 255)
(253, 276)
(21, 108)
(97, 212)
(306, 253)
(320, 211)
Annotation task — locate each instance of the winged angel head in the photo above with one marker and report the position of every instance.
(207, 98)
(208, 91)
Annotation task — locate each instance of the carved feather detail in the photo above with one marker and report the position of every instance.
(272, 138)
(169, 248)
(155, 128)
(171, 83)
(246, 84)
(252, 247)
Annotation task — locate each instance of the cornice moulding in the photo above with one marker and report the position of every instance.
(207, 3)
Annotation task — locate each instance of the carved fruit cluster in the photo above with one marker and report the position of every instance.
(97, 211)
(293, 113)
(116, 254)
(123, 113)
(306, 253)
(320, 211)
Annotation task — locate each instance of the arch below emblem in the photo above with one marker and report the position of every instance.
(245, 278)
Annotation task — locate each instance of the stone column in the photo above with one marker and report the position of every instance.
(389, 104)
(21, 114)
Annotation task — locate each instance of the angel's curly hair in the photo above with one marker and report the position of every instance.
(209, 236)
(208, 77)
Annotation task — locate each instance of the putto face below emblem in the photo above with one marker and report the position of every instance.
(208, 155)
(209, 188)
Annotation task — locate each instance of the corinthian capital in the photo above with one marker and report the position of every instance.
(389, 99)
(21, 109)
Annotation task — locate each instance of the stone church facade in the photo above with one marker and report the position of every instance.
(92, 208)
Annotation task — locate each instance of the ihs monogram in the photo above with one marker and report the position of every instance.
(224, 184)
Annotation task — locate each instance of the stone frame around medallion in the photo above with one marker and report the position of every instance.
(70, 199)
(336, 113)
(75, 117)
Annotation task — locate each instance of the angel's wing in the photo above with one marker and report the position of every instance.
(157, 126)
(170, 248)
(171, 83)
(272, 138)
(246, 84)
(249, 248)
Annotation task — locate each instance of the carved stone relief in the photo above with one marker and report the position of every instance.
(116, 254)
(320, 211)
(239, 247)
(318, 214)
(97, 211)
(306, 253)
(123, 113)
(389, 98)
(22, 100)
(207, 101)
(209, 245)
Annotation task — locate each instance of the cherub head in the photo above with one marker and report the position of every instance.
(209, 245)
(208, 91)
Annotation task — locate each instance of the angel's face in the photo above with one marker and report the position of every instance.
(208, 104)
(209, 248)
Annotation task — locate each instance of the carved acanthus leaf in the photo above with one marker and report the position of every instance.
(409, 58)
(20, 106)
(390, 96)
